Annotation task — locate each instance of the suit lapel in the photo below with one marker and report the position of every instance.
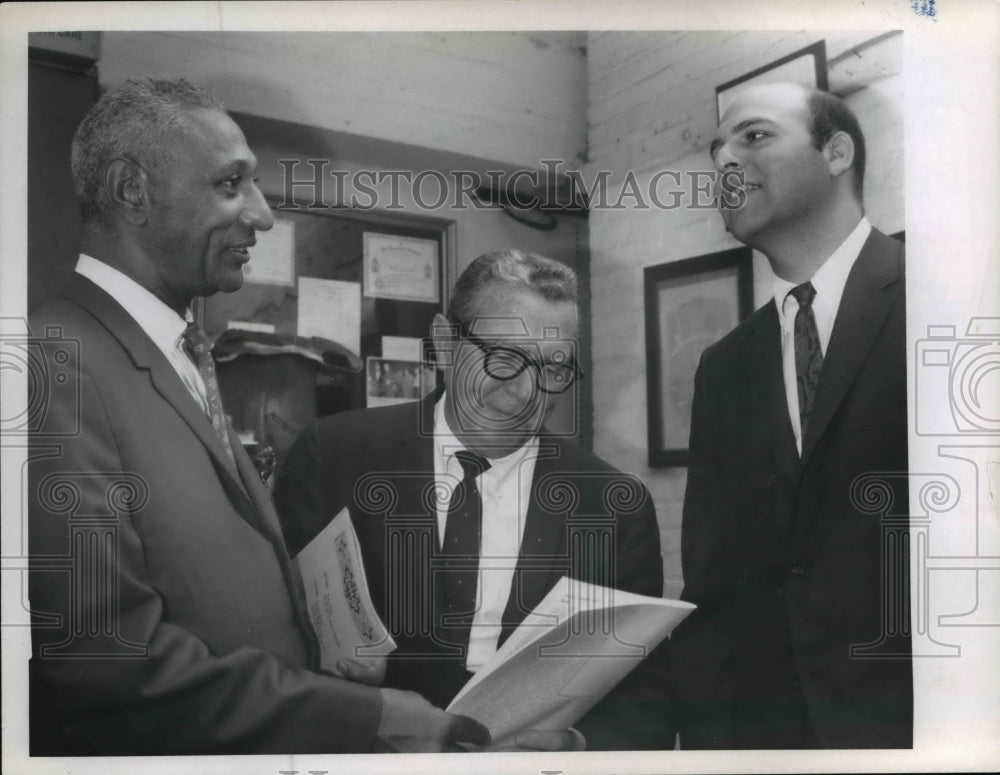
(863, 310)
(765, 377)
(165, 381)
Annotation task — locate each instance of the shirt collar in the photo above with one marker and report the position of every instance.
(446, 444)
(831, 277)
(161, 324)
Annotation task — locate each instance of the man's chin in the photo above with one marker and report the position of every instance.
(229, 283)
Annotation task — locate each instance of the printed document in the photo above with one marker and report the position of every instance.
(568, 653)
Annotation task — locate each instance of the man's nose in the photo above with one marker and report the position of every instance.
(725, 158)
(523, 386)
(256, 213)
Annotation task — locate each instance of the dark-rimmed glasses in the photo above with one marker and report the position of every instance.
(503, 361)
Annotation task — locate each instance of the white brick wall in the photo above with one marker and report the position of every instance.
(651, 106)
(512, 97)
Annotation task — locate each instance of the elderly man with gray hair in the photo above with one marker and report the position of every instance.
(453, 576)
(167, 617)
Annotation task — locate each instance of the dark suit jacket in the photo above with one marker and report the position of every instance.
(585, 520)
(167, 618)
(789, 559)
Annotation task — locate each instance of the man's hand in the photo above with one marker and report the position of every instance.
(371, 672)
(543, 740)
(410, 724)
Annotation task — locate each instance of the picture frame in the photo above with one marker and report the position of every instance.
(689, 304)
(806, 66)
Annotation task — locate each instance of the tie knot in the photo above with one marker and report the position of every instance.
(804, 294)
(472, 464)
(195, 339)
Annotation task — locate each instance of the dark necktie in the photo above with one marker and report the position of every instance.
(808, 352)
(201, 353)
(462, 533)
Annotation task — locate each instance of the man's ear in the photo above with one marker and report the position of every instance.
(839, 153)
(127, 187)
(443, 336)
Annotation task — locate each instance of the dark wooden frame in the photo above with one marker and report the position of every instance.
(816, 50)
(741, 259)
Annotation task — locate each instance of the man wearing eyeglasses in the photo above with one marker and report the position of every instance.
(469, 511)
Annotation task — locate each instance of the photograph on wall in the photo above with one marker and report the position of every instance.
(690, 305)
(397, 382)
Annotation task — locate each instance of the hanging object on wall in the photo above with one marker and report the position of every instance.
(807, 66)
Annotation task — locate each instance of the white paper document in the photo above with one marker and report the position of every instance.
(330, 309)
(401, 348)
(337, 597)
(577, 644)
(272, 260)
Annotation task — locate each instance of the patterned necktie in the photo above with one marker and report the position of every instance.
(201, 353)
(462, 534)
(808, 352)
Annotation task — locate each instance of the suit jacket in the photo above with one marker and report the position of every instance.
(585, 520)
(791, 560)
(167, 618)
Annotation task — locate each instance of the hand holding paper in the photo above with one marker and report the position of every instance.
(410, 724)
(370, 672)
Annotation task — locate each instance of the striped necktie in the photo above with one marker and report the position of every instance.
(200, 353)
(808, 352)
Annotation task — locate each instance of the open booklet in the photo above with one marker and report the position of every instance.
(569, 652)
(577, 644)
(337, 597)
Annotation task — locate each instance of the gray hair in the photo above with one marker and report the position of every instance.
(133, 120)
(549, 279)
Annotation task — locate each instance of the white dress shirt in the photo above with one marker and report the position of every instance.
(829, 282)
(505, 490)
(161, 324)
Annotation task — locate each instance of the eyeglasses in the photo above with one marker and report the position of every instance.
(503, 362)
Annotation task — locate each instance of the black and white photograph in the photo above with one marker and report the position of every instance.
(650, 443)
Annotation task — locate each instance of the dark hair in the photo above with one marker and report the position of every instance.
(828, 115)
(132, 120)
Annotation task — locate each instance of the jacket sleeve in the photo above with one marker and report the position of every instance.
(128, 678)
(699, 644)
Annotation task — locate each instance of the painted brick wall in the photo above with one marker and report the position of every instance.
(651, 107)
(513, 97)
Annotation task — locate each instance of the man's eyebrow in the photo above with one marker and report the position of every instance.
(237, 165)
(742, 126)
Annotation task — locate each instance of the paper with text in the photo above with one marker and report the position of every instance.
(337, 597)
(577, 644)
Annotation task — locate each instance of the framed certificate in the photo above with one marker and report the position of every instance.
(401, 268)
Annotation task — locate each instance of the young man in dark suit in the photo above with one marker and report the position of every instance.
(543, 507)
(799, 418)
(168, 620)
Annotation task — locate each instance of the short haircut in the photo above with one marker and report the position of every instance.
(828, 115)
(134, 120)
(549, 279)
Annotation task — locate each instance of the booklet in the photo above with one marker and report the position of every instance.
(337, 597)
(577, 644)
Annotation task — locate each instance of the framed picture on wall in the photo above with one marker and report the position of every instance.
(689, 305)
(806, 66)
